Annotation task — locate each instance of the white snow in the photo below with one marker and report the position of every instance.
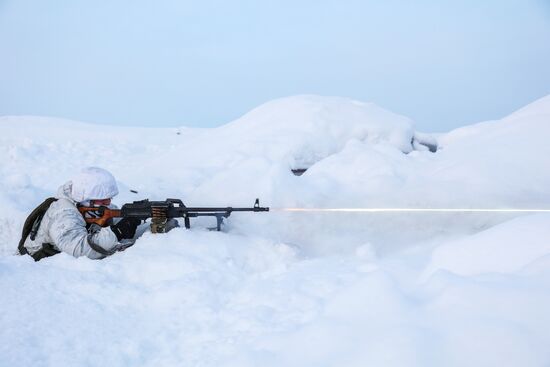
(293, 289)
(505, 248)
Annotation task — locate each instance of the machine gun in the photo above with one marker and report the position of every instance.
(160, 212)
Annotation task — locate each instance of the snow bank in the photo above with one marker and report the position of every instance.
(306, 129)
(506, 248)
(206, 298)
(289, 288)
(504, 160)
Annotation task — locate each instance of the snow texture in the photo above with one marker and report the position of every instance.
(280, 288)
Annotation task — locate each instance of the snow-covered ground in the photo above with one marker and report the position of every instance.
(285, 288)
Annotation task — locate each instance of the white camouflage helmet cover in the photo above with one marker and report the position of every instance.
(93, 183)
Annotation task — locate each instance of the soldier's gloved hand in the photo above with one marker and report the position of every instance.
(125, 228)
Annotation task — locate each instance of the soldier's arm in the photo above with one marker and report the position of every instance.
(69, 234)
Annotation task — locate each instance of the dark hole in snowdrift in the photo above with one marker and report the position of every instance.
(430, 144)
(298, 171)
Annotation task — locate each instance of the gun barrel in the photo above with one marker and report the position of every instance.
(225, 210)
(229, 209)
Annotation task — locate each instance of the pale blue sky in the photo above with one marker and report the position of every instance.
(205, 63)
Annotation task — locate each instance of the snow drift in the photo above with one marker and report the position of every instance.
(288, 288)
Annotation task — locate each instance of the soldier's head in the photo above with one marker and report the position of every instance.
(94, 186)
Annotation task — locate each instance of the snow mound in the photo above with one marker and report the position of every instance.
(504, 162)
(306, 129)
(536, 109)
(506, 248)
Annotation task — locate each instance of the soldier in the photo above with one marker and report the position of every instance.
(57, 225)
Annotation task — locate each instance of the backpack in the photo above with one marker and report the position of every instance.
(30, 229)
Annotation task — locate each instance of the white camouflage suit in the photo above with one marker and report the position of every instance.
(63, 225)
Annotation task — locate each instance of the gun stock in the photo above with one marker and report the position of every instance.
(99, 215)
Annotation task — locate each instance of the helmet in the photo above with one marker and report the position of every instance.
(93, 183)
